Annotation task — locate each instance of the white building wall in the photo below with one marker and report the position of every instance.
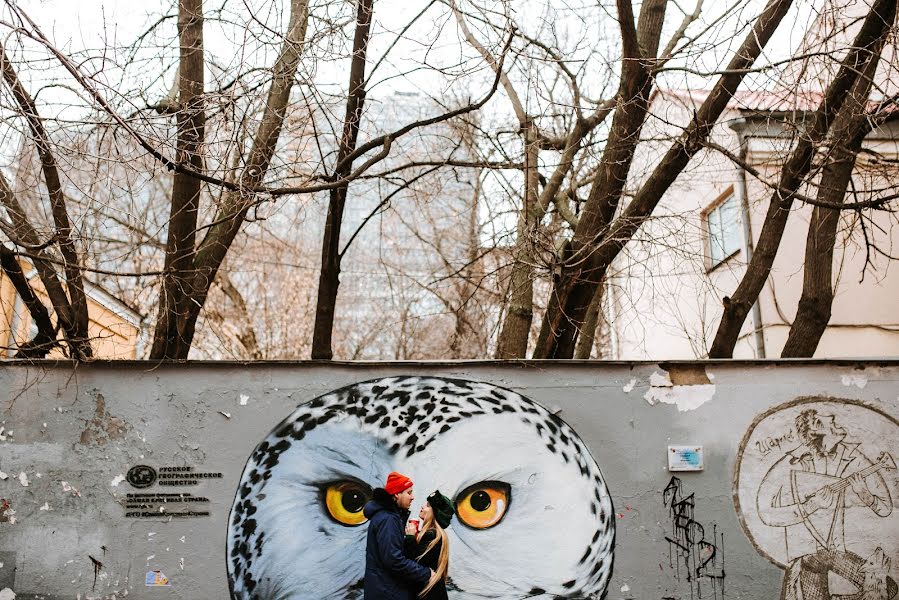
(667, 304)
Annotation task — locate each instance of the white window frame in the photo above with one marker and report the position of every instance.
(723, 239)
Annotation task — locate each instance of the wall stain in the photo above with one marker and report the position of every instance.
(103, 428)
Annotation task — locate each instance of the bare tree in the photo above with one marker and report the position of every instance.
(190, 267)
(477, 223)
(68, 299)
(329, 279)
(600, 238)
(865, 49)
(850, 127)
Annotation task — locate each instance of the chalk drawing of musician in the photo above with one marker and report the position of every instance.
(812, 493)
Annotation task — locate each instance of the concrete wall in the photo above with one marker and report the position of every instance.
(69, 436)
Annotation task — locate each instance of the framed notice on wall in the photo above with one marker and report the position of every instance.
(685, 458)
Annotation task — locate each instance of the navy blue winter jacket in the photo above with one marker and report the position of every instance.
(389, 575)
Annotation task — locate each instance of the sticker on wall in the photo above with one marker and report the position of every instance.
(141, 476)
(157, 579)
(815, 487)
(520, 477)
(685, 458)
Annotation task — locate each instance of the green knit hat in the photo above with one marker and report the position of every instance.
(442, 507)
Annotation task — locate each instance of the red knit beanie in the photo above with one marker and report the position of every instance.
(397, 483)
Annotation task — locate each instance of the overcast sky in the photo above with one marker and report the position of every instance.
(93, 25)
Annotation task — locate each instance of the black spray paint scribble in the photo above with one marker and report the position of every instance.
(689, 547)
(98, 566)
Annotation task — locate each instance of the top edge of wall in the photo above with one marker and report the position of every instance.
(519, 363)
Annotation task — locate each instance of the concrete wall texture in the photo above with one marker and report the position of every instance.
(214, 481)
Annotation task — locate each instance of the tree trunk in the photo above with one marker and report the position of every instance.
(329, 279)
(572, 293)
(23, 234)
(468, 339)
(560, 328)
(850, 127)
(45, 338)
(513, 338)
(868, 40)
(592, 322)
(246, 333)
(170, 339)
(70, 304)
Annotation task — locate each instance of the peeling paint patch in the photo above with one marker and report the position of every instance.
(117, 480)
(104, 427)
(68, 488)
(244, 399)
(660, 380)
(687, 374)
(23, 479)
(3, 476)
(7, 514)
(227, 415)
(630, 386)
(3, 436)
(685, 396)
(7, 594)
(45, 506)
(625, 588)
(856, 379)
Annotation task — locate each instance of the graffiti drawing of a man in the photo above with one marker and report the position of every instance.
(812, 492)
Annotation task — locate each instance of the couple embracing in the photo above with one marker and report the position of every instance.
(403, 562)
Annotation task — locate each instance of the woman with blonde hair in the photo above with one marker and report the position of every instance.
(430, 544)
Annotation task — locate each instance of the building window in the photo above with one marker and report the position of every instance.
(722, 225)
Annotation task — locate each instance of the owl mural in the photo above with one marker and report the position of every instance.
(534, 516)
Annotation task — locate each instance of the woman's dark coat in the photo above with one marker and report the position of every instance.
(389, 574)
(415, 548)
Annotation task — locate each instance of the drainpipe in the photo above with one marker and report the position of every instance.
(14, 323)
(609, 295)
(739, 127)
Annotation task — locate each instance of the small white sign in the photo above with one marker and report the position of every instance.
(685, 458)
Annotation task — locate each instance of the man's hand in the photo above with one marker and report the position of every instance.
(823, 498)
(861, 489)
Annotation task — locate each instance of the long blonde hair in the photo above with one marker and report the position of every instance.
(443, 557)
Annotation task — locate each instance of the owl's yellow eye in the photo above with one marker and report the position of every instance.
(344, 501)
(484, 504)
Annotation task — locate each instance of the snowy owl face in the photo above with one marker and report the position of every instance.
(533, 516)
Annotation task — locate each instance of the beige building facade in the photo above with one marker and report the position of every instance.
(116, 329)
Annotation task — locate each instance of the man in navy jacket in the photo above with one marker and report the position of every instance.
(389, 575)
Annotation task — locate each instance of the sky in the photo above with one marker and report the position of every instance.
(80, 24)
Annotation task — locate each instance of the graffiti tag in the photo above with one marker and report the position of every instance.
(687, 544)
